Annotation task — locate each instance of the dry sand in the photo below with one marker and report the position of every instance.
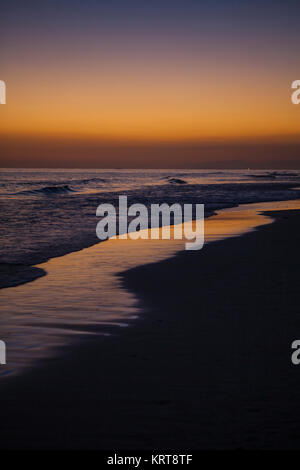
(207, 365)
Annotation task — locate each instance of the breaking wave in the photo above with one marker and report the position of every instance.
(49, 190)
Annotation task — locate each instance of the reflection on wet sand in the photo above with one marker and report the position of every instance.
(81, 294)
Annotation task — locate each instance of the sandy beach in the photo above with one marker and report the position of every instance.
(207, 364)
(149, 229)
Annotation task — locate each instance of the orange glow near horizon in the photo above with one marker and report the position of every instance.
(204, 77)
(149, 101)
(139, 107)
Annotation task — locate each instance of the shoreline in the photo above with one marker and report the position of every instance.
(22, 272)
(89, 297)
(206, 364)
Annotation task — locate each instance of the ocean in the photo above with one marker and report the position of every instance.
(48, 213)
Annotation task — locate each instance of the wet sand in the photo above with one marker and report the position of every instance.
(206, 365)
(81, 294)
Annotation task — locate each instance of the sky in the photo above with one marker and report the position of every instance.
(170, 84)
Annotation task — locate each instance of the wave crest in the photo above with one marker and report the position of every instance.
(49, 190)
